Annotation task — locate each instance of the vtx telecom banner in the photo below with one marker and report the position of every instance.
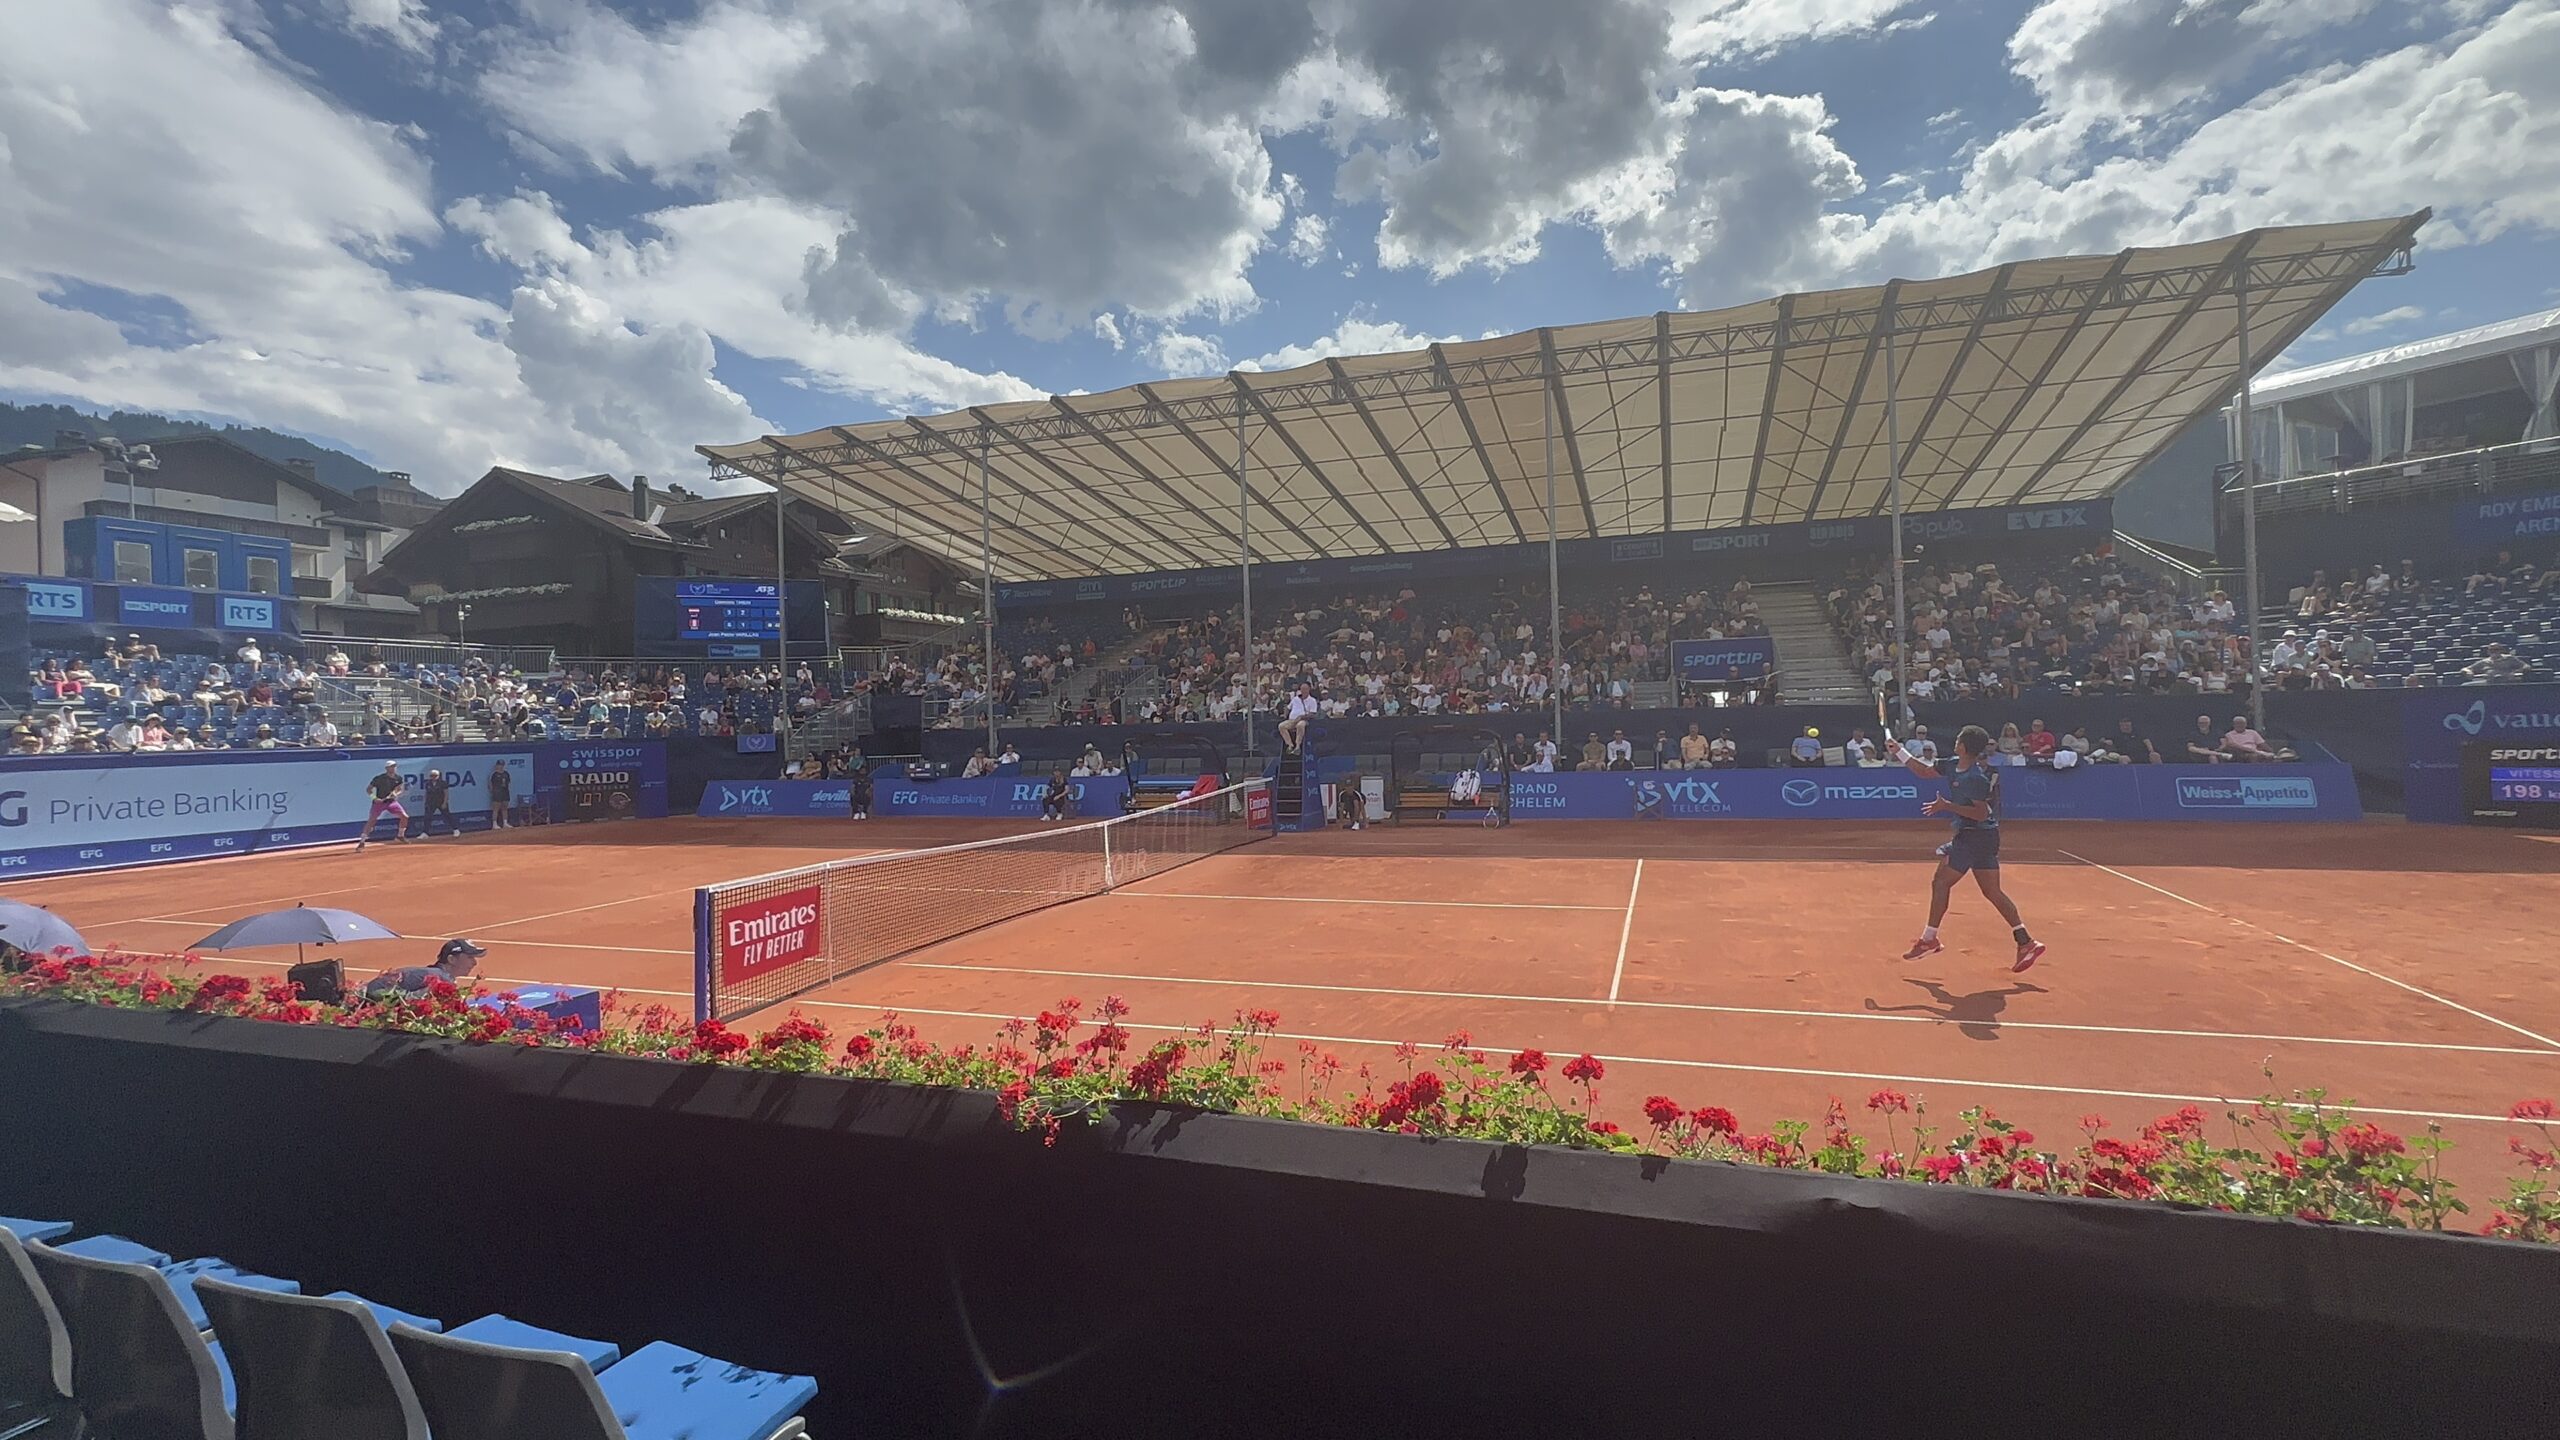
(999, 796)
(2113, 792)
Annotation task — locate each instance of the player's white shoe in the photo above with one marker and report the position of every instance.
(2028, 955)
(1923, 948)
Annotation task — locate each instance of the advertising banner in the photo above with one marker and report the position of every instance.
(2526, 524)
(760, 936)
(1708, 661)
(2436, 724)
(56, 818)
(2098, 792)
(1011, 797)
(606, 779)
(59, 815)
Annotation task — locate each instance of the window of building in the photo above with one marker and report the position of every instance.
(309, 564)
(263, 579)
(133, 562)
(204, 569)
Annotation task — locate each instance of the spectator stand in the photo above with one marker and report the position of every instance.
(1426, 765)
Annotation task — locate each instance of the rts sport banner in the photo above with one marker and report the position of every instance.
(1705, 662)
(759, 937)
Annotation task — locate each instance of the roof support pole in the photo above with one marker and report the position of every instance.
(987, 589)
(1893, 480)
(2249, 507)
(1555, 595)
(781, 619)
(1244, 569)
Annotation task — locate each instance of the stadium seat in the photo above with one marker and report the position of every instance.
(311, 1368)
(138, 1366)
(35, 1349)
(180, 1272)
(46, 1230)
(387, 1315)
(516, 1335)
(478, 1391)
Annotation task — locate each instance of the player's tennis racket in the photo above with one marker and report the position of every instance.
(1882, 723)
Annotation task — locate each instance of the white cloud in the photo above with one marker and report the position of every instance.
(1184, 356)
(1307, 239)
(405, 23)
(2391, 319)
(1738, 200)
(581, 82)
(1730, 29)
(2128, 58)
(1359, 334)
(651, 390)
(1107, 329)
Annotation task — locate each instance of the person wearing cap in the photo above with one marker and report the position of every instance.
(265, 739)
(454, 963)
(384, 791)
(439, 802)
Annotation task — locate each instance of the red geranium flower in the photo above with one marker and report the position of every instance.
(2366, 1141)
(1663, 1111)
(1529, 1062)
(1942, 1169)
(860, 1047)
(2533, 1110)
(1585, 1069)
(1716, 1120)
(1889, 1102)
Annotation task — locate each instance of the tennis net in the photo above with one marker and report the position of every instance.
(761, 941)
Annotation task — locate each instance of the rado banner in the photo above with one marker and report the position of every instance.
(608, 781)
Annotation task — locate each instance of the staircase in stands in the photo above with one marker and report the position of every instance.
(1089, 675)
(346, 698)
(1814, 668)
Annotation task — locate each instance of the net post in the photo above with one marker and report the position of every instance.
(1107, 882)
(704, 1000)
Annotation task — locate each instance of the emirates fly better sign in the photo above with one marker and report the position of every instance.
(761, 936)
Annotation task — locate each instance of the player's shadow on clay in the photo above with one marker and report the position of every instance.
(1977, 1015)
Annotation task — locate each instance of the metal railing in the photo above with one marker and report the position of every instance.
(2460, 472)
(361, 650)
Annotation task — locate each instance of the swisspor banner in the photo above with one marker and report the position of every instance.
(760, 937)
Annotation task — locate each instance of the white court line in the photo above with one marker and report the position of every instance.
(1611, 1059)
(1701, 1009)
(1624, 930)
(2323, 954)
(577, 910)
(1340, 900)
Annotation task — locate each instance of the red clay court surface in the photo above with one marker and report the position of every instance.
(1752, 965)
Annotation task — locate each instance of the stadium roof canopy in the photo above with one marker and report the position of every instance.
(2040, 380)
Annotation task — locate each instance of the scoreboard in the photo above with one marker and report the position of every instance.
(2512, 784)
(715, 610)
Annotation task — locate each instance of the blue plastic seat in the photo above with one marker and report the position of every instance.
(599, 1355)
(477, 1391)
(138, 1366)
(47, 1230)
(310, 1368)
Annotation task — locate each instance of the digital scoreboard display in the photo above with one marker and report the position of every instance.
(2512, 784)
(716, 610)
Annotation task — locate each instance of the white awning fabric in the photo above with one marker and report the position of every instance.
(2041, 380)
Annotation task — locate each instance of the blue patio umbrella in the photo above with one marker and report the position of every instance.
(302, 925)
(38, 931)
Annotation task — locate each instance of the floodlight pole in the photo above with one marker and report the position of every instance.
(1893, 474)
(1555, 596)
(1244, 561)
(987, 590)
(2249, 511)
(781, 622)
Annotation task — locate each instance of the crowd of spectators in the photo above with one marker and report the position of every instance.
(2093, 624)
(1402, 653)
(2497, 622)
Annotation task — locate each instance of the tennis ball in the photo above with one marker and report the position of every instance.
(1816, 734)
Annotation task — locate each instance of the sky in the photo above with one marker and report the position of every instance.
(580, 237)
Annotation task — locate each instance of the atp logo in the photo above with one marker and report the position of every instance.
(1803, 794)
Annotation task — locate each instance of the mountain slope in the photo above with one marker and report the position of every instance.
(36, 424)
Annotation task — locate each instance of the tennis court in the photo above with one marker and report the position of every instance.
(1752, 965)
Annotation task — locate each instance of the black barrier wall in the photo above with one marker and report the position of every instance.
(1175, 1274)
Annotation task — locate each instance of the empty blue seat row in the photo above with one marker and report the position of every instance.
(113, 1333)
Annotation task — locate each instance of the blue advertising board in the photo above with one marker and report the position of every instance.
(62, 814)
(2098, 792)
(152, 606)
(1003, 797)
(2523, 523)
(64, 601)
(2084, 519)
(2435, 723)
(55, 601)
(1708, 661)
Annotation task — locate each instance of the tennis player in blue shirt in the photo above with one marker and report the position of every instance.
(1973, 801)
